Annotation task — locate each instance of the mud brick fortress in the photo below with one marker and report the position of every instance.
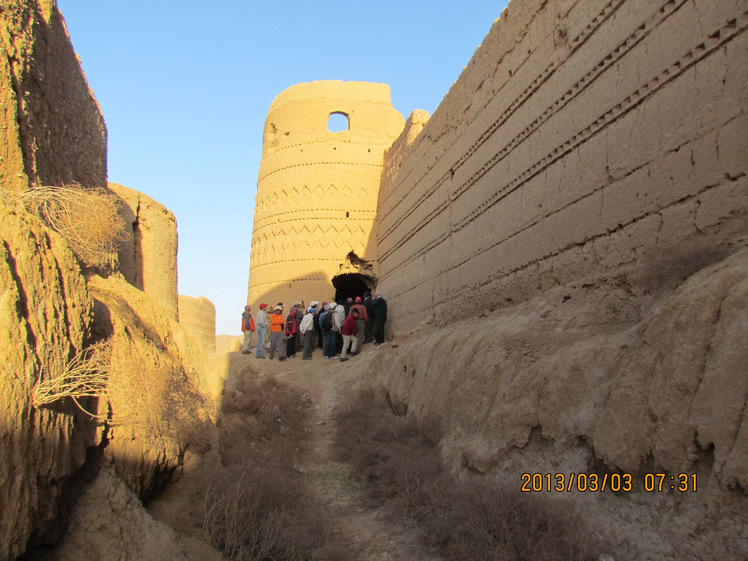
(581, 141)
(562, 249)
(562, 246)
(317, 191)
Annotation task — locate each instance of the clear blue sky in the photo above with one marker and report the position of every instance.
(185, 87)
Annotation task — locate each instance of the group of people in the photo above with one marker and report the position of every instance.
(332, 327)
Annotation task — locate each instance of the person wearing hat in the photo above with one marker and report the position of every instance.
(361, 320)
(262, 328)
(276, 333)
(326, 322)
(349, 331)
(306, 328)
(248, 326)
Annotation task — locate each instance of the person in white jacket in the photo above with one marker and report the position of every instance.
(307, 332)
(262, 329)
(339, 320)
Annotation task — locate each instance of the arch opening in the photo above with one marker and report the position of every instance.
(350, 285)
(338, 121)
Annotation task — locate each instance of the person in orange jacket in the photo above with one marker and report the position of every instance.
(276, 334)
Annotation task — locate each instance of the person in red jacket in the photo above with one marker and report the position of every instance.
(292, 331)
(349, 332)
(363, 317)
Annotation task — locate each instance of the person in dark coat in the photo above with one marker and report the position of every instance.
(369, 325)
(379, 307)
(299, 316)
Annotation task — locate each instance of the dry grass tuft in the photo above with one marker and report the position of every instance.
(84, 376)
(159, 397)
(88, 219)
(397, 458)
(252, 513)
(257, 505)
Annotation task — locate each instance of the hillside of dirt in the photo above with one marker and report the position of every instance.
(109, 522)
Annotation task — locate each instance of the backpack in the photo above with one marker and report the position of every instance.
(291, 325)
(326, 321)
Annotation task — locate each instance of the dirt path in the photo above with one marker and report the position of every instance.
(373, 535)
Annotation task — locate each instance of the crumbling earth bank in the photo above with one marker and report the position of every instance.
(152, 404)
(557, 385)
(53, 134)
(45, 311)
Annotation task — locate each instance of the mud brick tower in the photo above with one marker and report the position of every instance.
(317, 190)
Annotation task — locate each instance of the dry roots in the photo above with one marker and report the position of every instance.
(88, 219)
(84, 376)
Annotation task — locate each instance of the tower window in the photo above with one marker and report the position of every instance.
(338, 121)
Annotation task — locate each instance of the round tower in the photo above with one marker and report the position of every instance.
(317, 189)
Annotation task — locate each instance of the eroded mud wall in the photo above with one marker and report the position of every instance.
(198, 317)
(45, 312)
(568, 230)
(317, 189)
(51, 127)
(148, 256)
(583, 140)
(560, 387)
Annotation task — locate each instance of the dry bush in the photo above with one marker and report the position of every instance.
(399, 462)
(88, 219)
(394, 455)
(252, 514)
(266, 416)
(482, 520)
(84, 376)
(159, 398)
(256, 505)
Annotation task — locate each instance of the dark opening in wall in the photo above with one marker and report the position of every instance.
(350, 285)
(338, 121)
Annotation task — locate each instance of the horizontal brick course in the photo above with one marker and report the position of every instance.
(578, 140)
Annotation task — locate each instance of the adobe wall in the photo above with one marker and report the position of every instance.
(583, 141)
(317, 190)
(51, 128)
(198, 317)
(45, 312)
(148, 257)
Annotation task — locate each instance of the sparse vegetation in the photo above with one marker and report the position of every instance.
(256, 505)
(158, 396)
(88, 219)
(84, 376)
(397, 458)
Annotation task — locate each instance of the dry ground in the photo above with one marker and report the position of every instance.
(352, 519)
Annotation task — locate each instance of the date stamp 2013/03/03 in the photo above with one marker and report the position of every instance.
(616, 482)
